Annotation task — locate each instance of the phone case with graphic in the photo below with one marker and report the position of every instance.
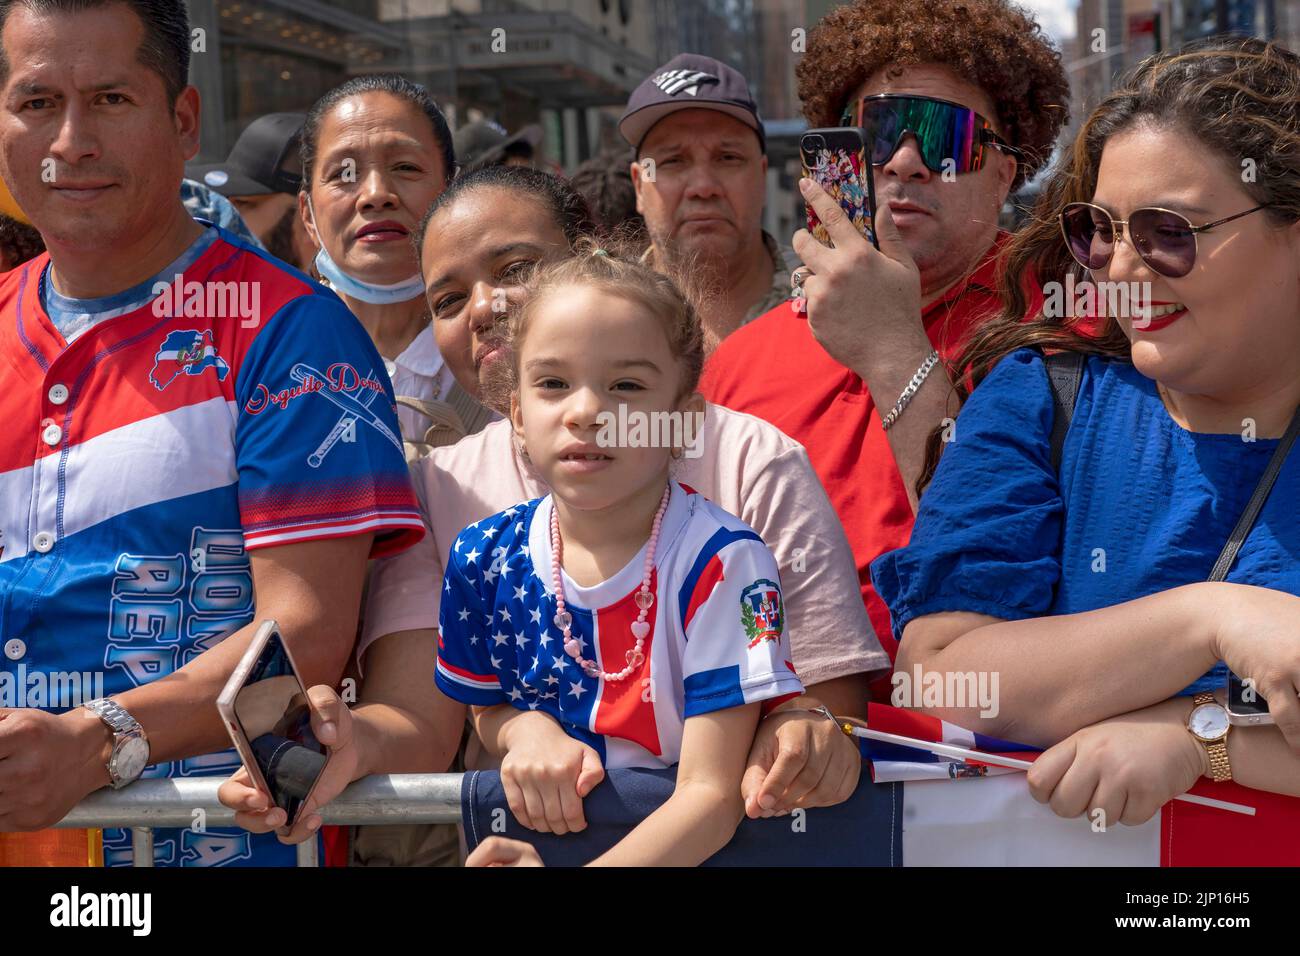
(836, 159)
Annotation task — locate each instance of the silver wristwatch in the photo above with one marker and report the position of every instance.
(130, 743)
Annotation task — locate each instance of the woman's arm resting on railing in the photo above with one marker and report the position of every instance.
(1056, 675)
(1129, 766)
(801, 759)
(1262, 760)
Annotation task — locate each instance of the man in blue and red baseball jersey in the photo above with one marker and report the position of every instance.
(195, 436)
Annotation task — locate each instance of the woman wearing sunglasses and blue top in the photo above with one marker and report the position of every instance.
(1086, 583)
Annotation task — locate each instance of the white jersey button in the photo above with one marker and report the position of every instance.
(15, 650)
(43, 541)
(52, 434)
(58, 394)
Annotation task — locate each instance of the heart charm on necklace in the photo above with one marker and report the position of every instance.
(644, 599)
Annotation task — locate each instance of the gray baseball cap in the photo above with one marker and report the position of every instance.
(689, 81)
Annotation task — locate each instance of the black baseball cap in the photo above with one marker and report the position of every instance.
(484, 142)
(265, 159)
(689, 81)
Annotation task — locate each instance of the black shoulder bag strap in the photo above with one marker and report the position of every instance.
(1238, 537)
(1065, 370)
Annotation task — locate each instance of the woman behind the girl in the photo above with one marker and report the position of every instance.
(1085, 586)
(623, 609)
(376, 152)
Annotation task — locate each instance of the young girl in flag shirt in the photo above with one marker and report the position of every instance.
(623, 620)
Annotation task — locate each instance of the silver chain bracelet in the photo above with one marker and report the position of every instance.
(913, 387)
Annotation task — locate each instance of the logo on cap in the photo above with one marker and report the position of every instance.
(216, 177)
(682, 81)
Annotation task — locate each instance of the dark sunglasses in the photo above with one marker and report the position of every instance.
(943, 130)
(1165, 240)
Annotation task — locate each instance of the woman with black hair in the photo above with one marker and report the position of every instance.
(376, 153)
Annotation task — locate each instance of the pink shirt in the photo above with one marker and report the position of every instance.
(748, 468)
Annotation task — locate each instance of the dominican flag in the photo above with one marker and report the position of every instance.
(890, 762)
(959, 811)
(188, 352)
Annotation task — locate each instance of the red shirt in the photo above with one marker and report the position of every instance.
(774, 369)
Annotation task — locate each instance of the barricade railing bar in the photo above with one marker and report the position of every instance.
(380, 800)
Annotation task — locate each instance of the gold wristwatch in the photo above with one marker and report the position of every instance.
(1208, 723)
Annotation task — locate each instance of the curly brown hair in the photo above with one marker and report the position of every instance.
(991, 43)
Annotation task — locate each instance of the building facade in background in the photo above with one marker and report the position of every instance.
(569, 65)
(1134, 29)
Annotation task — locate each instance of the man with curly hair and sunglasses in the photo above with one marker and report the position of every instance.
(960, 102)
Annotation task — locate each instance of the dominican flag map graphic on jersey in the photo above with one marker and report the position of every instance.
(186, 352)
(142, 463)
(713, 574)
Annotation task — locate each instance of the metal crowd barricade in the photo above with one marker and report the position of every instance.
(379, 800)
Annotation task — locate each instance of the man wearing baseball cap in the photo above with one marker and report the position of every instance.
(485, 143)
(700, 174)
(260, 178)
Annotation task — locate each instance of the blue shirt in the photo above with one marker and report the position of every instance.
(1141, 505)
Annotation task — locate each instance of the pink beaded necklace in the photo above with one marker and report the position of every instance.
(644, 599)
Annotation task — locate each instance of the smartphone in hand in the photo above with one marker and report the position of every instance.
(1245, 706)
(836, 159)
(265, 710)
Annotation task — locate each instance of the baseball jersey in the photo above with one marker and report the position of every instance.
(717, 636)
(235, 406)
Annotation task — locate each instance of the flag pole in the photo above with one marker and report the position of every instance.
(997, 760)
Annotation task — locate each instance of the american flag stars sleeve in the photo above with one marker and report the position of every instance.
(468, 656)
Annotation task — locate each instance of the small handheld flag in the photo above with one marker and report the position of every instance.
(975, 760)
